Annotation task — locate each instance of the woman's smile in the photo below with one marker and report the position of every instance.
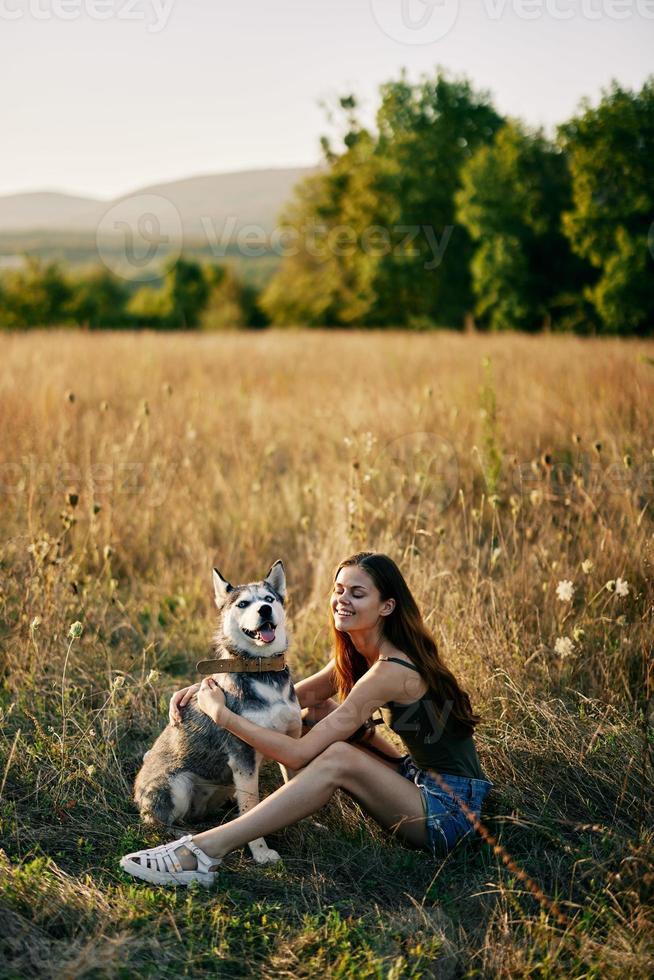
(355, 597)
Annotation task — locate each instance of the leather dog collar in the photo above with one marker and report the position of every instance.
(241, 665)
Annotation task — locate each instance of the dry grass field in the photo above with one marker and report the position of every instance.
(492, 468)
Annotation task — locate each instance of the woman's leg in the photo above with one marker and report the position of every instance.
(391, 799)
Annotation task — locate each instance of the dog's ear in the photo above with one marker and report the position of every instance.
(277, 578)
(221, 587)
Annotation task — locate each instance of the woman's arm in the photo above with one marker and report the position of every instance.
(377, 741)
(372, 690)
(318, 687)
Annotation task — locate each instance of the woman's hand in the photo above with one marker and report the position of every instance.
(211, 699)
(177, 702)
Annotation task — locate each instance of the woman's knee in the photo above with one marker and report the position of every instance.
(339, 758)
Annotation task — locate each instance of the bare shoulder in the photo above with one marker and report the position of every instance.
(407, 682)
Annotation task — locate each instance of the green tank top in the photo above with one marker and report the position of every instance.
(426, 729)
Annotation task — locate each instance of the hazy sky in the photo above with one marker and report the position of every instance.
(103, 96)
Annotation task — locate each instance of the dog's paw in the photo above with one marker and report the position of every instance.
(267, 856)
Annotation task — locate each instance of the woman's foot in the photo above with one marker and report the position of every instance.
(178, 863)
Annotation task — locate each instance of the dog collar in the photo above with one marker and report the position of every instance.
(241, 665)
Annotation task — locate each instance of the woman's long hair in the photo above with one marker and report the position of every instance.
(405, 629)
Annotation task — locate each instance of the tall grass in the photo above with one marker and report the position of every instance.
(491, 469)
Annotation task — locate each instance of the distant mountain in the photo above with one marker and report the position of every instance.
(47, 211)
(202, 206)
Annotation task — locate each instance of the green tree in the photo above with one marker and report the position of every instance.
(501, 279)
(185, 293)
(427, 133)
(99, 300)
(376, 241)
(611, 148)
(150, 307)
(327, 279)
(37, 294)
(511, 201)
(231, 302)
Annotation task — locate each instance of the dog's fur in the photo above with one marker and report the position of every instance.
(194, 767)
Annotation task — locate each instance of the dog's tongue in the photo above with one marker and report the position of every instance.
(267, 634)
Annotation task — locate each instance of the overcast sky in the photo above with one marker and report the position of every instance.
(101, 97)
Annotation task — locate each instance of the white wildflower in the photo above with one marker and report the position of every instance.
(621, 587)
(75, 630)
(587, 566)
(564, 646)
(565, 590)
(152, 677)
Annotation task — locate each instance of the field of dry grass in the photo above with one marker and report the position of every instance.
(491, 469)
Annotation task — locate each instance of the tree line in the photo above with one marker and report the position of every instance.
(188, 295)
(532, 233)
(445, 214)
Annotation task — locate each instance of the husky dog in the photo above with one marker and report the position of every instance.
(194, 767)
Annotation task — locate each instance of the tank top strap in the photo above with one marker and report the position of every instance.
(396, 660)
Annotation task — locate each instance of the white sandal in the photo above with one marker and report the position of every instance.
(161, 866)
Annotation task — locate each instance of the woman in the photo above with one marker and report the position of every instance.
(384, 658)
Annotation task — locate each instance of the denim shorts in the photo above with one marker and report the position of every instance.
(446, 822)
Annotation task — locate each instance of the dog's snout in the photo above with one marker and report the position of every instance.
(265, 612)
